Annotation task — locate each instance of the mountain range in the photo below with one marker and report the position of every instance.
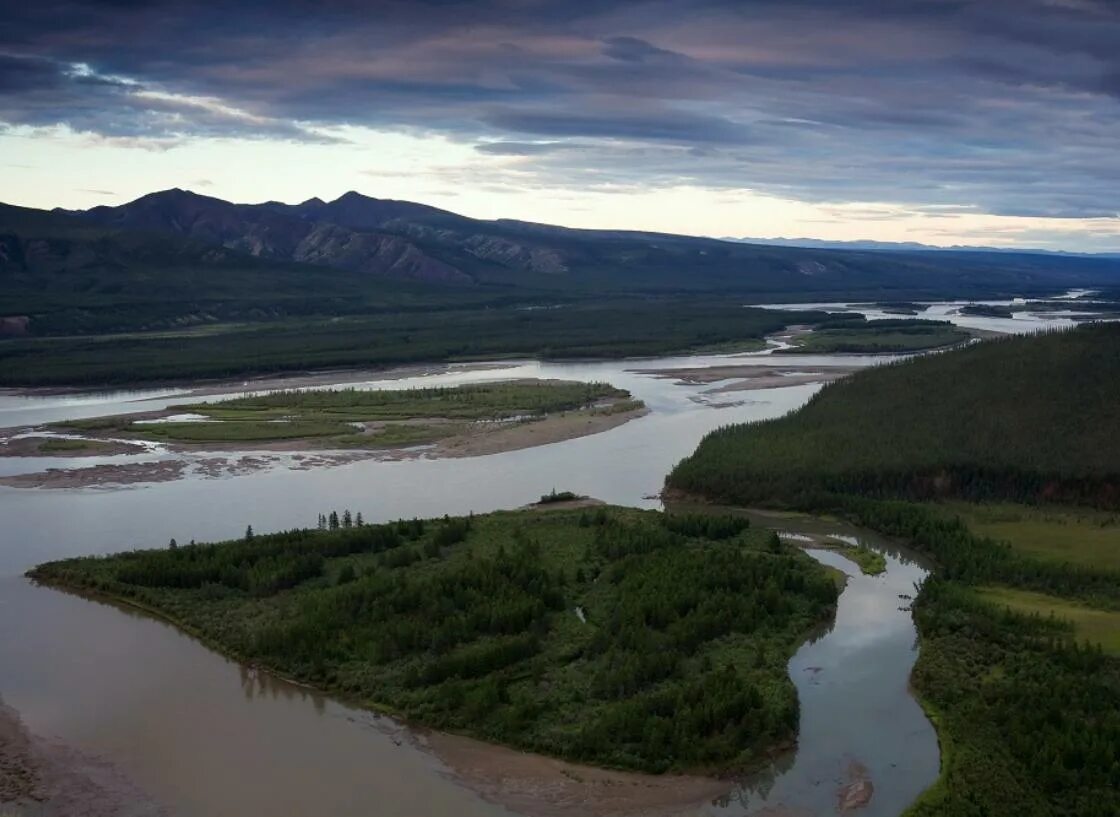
(176, 257)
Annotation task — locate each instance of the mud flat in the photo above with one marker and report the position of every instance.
(126, 474)
(33, 446)
(538, 786)
(750, 377)
(43, 778)
(552, 429)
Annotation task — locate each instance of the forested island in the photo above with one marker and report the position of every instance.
(854, 334)
(622, 638)
(461, 419)
(1001, 462)
(987, 311)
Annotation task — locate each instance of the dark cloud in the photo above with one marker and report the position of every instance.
(1008, 106)
(667, 126)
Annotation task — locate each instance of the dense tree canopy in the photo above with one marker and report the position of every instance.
(623, 638)
(1029, 718)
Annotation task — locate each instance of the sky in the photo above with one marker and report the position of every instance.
(980, 122)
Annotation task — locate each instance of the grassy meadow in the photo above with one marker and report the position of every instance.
(364, 418)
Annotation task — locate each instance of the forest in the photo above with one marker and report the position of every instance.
(854, 334)
(1022, 419)
(1027, 712)
(618, 637)
(557, 329)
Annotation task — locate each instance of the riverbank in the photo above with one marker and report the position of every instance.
(532, 785)
(749, 377)
(470, 674)
(521, 414)
(43, 778)
(45, 446)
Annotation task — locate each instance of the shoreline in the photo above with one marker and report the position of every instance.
(534, 785)
(294, 379)
(750, 377)
(554, 428)
(528, 783)
(48, 778)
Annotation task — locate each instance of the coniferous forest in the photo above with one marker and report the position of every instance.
(618, 637)
(1027, 713)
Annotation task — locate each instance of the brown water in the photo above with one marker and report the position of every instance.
(204, 736)
(201, 733)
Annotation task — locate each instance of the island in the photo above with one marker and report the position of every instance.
(854, 334)
(627, 639)
(987, 311)
(454, 421)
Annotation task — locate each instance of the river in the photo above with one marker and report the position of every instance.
(203, 736)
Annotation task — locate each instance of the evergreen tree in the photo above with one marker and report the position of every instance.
(333, 523)
(347, 520)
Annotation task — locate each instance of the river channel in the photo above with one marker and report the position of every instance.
(201, 735)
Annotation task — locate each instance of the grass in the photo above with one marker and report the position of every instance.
(1090, 624)
(395, 417)
(1079, 535)
(871, 562)
(56, 445)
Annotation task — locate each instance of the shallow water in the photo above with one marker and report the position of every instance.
(858, 718)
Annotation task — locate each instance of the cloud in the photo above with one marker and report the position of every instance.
(1004, 106)
(505, 148)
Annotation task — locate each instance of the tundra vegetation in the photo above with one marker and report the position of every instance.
(365, 418)
(1000, 461)
(469, 624)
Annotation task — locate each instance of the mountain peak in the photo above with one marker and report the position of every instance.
(353, 196)
(174, 194)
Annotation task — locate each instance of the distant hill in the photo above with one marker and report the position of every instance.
(405, 240)
(177, 258)
(1024, 418)
(906, 246)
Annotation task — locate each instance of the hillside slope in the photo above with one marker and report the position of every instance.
(1022, 418)
(400, 239)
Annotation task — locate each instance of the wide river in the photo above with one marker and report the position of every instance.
(202, 735)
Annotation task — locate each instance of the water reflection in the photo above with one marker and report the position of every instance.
(217, 738)
(859, 724)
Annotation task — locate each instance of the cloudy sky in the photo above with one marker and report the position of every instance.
(991, 122)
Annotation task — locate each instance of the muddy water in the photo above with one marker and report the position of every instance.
(204, 737)
(199, 733)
